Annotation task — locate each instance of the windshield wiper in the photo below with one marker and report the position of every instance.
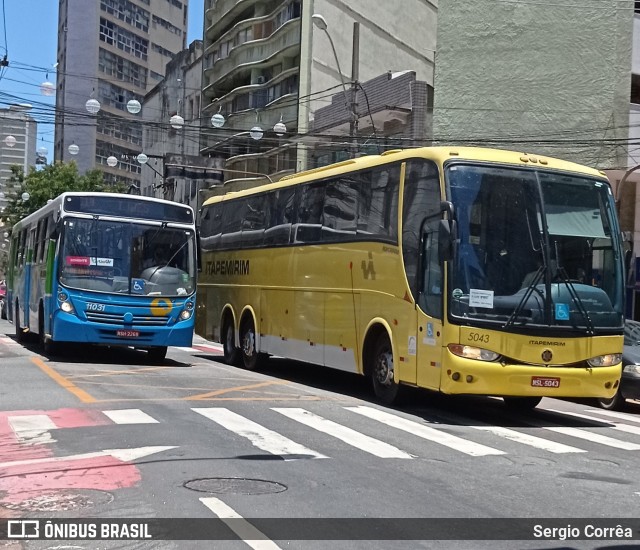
(532, 286)
(576, 298)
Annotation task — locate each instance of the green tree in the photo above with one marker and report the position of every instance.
(46, 184)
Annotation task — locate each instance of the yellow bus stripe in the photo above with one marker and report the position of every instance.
(64, 382)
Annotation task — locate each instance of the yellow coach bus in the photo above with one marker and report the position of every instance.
(460, 270)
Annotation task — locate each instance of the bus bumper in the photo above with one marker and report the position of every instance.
(68, 328)
(464, 376)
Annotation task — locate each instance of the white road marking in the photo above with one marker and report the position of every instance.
(594, 437)
(32, 429)
(624, 416)
(130, 416)
(261, 437)
(349, 436)
(611, 424)
(240, 526)
(426, 432)
(531, 440)
(125, 455)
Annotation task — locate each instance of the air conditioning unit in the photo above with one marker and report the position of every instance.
(261, 80)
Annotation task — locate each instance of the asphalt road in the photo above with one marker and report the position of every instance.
(101, 433)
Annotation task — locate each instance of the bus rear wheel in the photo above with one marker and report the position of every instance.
(521, 403)
(20, 335)
(230, 352)
(251, 359)
(157, 354)
(385, 388)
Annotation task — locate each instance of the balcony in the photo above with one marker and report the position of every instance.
(254, 52)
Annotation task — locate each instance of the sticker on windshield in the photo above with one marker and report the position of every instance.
(103, 262)
(137, 286)
(562, 312)
(481, 298)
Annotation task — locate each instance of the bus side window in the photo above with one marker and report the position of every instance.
(308, 228)
(254, 221)
(339, 217)
(233, 213)
(281, 216)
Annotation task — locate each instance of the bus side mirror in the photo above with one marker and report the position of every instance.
(447, 236)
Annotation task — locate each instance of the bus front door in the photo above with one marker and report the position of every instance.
(429, 311)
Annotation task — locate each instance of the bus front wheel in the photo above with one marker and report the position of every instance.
(385, 387)
(521, 403)
(157, 354)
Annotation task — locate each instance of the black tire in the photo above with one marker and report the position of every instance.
(230, 353)
(157, 354)
(616, 403)
(20, 335)
(385, 388)
(46, 344)
(3, 309)
(251, 359)
(521, 403)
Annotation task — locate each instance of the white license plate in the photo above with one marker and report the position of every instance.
(128, 333)
(545, 382)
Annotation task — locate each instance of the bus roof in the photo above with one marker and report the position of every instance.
(56, 203)
(439, 155)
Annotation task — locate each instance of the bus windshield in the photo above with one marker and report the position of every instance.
(127, 258)
(535, 248)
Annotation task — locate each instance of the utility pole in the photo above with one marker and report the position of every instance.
(355, 64)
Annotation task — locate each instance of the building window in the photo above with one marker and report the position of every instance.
(635, 88)
(123, 39)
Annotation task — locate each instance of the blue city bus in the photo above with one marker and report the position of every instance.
(105, 268)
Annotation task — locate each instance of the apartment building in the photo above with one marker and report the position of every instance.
(276, 62)
(112, 52)
(18, 137)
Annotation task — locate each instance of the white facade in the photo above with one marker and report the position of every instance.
(16, 122)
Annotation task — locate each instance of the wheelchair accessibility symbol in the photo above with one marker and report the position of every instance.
(562, 312)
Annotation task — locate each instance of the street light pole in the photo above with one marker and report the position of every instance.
(350, 104)
(355, 64)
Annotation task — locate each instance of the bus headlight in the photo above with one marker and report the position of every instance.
(66, 307)
(605, 360)
(470, 352)
(185, 314)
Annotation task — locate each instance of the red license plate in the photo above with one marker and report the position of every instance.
(545, 382)
(128, 333)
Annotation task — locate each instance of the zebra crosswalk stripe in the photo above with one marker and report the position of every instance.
(351, 437)
(594, 437)
(614, 414)
(426, 432)
(261, 437)
(130, 416)
(531, 440)
(610, 423)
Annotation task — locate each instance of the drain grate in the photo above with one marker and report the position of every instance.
(58, 501)
(235, 486)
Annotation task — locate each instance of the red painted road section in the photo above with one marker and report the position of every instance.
(17, 481)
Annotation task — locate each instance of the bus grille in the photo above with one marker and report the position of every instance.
(118, 319)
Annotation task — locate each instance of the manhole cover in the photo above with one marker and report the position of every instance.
(57, 501)
(235, 486)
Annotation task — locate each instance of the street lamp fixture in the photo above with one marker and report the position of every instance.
(93, 106)
(134, 106)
